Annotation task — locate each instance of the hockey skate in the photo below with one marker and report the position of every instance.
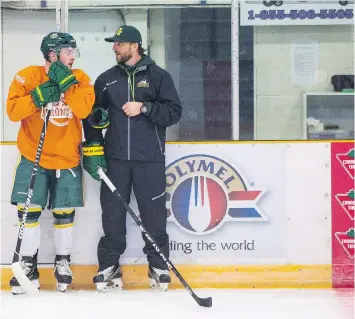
(29, 267)
(109, 279)
(62, 272)
(159, 278)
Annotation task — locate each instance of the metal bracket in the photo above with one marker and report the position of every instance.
(62, 15)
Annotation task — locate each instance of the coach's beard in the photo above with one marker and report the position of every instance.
(123, 58)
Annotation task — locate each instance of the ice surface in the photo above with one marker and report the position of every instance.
(148, 304)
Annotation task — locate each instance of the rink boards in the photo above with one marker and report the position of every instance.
(240, 214)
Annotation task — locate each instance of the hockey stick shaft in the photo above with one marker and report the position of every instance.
(205, 302)
(16, 258)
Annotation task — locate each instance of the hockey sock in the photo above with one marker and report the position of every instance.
(63, 229)
(32, 234)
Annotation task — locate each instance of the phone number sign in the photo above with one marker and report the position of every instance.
(252, 13)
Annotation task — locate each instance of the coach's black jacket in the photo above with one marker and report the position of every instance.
(140, 137)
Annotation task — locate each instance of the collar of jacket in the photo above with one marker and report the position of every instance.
(141, 65)
(133, 69)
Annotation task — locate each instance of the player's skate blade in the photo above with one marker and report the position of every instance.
(163, 286)
(62, 287)
(114, 284)
(17, 290)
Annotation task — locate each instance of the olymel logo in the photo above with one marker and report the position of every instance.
(347, 240)
(204, 192)
(347, 160)
(347, 202)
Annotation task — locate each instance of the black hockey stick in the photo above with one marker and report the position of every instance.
(19, 274)
(204, 302)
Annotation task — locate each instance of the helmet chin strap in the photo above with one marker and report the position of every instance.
(47, 59)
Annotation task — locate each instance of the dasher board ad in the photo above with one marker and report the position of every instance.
(343, 207)
(223, 202)
(226, 204)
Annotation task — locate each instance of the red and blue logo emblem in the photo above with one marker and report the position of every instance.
(204, 192)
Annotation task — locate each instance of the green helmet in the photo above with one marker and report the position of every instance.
(55, 41)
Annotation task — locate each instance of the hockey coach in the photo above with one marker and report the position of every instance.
(136, 101)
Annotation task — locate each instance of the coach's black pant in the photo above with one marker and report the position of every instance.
(148, 180)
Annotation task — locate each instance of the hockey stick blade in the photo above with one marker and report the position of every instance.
(23, 280)
(203, 302)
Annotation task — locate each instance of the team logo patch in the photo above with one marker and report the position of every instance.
(60, 112)
(204, 192)
(143, 84)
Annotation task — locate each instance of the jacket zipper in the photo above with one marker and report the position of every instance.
(129, 120)
(131, 84)
(156, 132)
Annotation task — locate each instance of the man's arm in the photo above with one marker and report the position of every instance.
(167, 110)
(93, 149)
(19, 104)
(95, 134)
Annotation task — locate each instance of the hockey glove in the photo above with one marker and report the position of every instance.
(98, 118)
(62, 75)
(93, 156)
(45, 93)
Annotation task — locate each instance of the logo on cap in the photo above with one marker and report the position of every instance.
(119, 31)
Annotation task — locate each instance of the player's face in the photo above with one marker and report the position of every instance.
(123, 51)
(67, 56)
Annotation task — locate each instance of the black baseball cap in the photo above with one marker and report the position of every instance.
(126, 33)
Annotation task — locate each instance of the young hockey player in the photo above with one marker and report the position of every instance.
(69, 96)
(142, 102)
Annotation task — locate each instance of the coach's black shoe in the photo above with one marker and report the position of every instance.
(109, 279)
(159, 278)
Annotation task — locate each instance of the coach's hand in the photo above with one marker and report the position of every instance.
(132, 108)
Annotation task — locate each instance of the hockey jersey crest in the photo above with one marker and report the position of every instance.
(60, 112)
